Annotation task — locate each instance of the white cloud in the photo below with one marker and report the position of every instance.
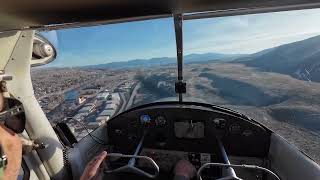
(250, 33)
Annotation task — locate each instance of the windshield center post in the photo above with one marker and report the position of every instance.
(180, 86)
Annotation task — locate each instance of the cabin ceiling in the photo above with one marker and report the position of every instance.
(37, 14)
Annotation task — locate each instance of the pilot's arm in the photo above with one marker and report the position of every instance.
(12, 148)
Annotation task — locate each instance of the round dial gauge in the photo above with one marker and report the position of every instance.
(160, 121)
(235, 128)
(145, 119)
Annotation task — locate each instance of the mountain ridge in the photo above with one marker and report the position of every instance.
(299, 59)
(160, 61)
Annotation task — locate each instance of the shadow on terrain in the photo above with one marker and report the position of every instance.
(301, 117)
(157, 87)
(241, 93)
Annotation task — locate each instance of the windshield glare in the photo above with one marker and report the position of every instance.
(268, 70)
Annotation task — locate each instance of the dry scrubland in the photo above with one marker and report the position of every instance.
(287, 105)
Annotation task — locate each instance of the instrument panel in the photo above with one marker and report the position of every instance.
(188, 128)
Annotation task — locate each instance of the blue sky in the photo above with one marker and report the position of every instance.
(155, 38)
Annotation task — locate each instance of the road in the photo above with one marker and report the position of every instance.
(126, 104)
(133, 94)
(123, 103)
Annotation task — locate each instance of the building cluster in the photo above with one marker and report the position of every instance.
(97, 110)
(111, 106)
(51, 85)
(100, 105)
(57, 80)
(50, 102)
(81, 97)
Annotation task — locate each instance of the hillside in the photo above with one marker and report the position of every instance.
(299, 59)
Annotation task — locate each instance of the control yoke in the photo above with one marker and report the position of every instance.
(130, 167)
(237, 166)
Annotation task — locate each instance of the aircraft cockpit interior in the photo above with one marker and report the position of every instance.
(168, 132)
(130, 89)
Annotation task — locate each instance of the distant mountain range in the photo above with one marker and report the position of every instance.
(300, 59)
(191, 58)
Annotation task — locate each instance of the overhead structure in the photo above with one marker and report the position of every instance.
(52, 14)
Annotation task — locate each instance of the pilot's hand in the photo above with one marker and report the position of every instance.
(94, 170)
(185, 168)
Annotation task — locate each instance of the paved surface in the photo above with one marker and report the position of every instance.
(123, 103)
(133, 94)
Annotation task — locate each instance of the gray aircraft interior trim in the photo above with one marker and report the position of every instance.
(289, 162)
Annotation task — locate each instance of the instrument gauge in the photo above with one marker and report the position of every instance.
(219, 123)
(235, 128)
(247, 132)
(145, 119)
(160, 121)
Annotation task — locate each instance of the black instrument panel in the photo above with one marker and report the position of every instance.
(189, 128)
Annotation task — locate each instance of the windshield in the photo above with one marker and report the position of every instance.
(266, 69)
